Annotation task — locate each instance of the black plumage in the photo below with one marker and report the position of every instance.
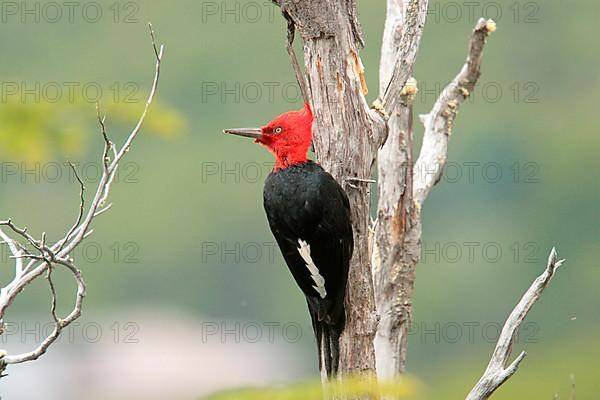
(309, 215)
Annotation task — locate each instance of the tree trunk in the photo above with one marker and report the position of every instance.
(346, 135)
(396, 246)
(348, 138)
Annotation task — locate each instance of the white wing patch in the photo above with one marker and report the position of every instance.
(319, 285)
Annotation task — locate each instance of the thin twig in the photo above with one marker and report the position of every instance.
(16, 252)
(289, 45)
(107, 178)
(53, 292)
(81, 207)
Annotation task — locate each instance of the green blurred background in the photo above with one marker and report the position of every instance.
(186, 247)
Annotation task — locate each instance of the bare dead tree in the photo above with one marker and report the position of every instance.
(351, 136)
(45, 258)
(404, 185)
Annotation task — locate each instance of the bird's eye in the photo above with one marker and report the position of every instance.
(277, 130)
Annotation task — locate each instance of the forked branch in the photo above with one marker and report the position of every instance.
(43, 258)
(499, 369)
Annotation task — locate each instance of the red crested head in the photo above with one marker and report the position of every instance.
(288, 136)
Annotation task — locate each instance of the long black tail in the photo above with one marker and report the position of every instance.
(327, 335)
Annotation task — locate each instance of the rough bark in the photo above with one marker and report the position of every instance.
(347, 141)
(349, 137)
(396, 246)
(347, 133)
(402, 188)
(395, 249)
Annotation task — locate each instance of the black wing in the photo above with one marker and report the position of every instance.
(308, 211)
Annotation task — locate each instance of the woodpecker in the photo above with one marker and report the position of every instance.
(309, 215)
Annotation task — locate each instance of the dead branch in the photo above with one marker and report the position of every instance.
(402, 35)
(393, 263)
(46, 258)
(499, 370)
(439, 122)
(289, 45)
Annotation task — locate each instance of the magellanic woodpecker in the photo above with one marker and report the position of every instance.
(309, 215)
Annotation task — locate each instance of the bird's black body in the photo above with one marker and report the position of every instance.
(309, 215)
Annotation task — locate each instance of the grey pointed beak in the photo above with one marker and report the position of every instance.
(254, 133)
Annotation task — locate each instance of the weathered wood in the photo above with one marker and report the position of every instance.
(396, 246)
(440, 121)
(499, 370)
(346, 137)
(349, 137)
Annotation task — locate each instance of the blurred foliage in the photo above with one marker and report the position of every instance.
(355, 387)
(42, 130)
